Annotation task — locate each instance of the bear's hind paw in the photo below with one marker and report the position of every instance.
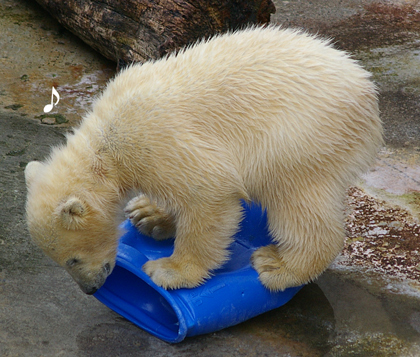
(150, 219)
(273, 271)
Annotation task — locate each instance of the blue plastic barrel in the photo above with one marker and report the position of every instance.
(233, 295)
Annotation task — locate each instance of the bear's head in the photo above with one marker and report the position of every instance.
(66, 220)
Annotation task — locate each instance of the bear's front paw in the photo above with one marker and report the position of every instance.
(150, 219)
(169, 274)
(273, 271)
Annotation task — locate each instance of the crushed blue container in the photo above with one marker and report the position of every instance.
(234, 294)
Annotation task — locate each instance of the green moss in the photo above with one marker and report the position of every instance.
(413, 199)
(14, 106)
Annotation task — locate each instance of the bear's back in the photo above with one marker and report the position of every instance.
(266, 96)
(245, 79)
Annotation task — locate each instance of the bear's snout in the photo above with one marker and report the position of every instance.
(89, 290)
(92, 282)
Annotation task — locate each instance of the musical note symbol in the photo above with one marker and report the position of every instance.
(49, 107)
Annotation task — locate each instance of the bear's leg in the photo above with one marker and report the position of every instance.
(150, 219)
(309, 233)
(203, 236)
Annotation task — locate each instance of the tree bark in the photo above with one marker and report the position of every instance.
(140, 30)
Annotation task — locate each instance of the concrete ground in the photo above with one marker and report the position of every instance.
(366, 304)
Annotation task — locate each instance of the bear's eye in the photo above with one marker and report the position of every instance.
(72, 262)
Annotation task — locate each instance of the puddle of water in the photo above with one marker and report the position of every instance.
(394, 65)
(396, 178)
(368, 321)
(76, 97)
(395, 173)
(343, 314)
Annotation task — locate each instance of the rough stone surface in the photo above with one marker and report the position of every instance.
(357, 308)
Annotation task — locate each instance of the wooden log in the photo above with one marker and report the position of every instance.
(139, 30)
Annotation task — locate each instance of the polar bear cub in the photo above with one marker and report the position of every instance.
(269, 115)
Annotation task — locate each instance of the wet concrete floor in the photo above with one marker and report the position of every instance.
(366, 304)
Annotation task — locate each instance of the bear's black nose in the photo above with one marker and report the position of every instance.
(90, 290)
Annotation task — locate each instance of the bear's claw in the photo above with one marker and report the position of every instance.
(169, 274)
(273, 271)
(150, 219)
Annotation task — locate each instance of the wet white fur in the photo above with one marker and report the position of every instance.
(265, 114)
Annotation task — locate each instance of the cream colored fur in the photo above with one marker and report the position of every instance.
(265, 114)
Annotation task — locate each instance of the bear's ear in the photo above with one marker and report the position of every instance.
(72, 213)
(31, 171)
